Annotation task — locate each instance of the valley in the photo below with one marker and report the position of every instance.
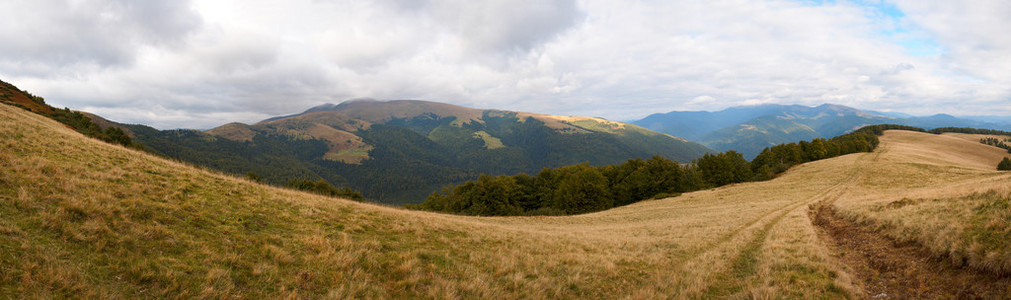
(85, 218)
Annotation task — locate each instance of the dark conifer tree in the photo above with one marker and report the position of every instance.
(1004, 165)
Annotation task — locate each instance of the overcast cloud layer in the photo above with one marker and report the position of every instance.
(199, 64)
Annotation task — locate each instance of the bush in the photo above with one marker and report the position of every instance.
(1004, 165)
(324, 188)
(253, 176)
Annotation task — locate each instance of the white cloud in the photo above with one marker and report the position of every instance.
(505, 25)
(41, 37)
(181, 64)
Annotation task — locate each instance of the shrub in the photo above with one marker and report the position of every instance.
(324, 188)
(1004, 165)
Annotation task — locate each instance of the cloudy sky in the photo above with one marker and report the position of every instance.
(199, 64)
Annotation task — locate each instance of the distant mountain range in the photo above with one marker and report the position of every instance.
(401, 151)
(749, 129)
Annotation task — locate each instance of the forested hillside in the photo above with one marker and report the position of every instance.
(400, 151)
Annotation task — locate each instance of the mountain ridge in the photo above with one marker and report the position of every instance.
(359, 114)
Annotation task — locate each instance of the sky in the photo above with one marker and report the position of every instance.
(201, 64)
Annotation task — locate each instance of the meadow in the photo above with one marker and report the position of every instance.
(82, 218)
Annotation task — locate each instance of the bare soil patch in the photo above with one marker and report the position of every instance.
(891, 270)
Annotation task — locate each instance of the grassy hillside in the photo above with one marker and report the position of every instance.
(84, 123)
(81, 218)
(940, 192)
(13, 95)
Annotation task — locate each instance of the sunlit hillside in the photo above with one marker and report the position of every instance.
(82, 218)
(939, 200)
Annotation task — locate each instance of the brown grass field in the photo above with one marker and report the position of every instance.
(81, 218)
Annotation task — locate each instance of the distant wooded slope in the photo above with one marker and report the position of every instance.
(400, 151)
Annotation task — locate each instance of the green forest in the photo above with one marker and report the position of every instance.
(583, 188)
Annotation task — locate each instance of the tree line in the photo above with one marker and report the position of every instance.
(83, 124)
(583, 188)
(968, 130)
(992, 141)
(319, 186)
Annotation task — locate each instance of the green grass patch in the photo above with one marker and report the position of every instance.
(490, 142)
(989, 229)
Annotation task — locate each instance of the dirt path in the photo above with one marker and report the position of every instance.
(902, 271)
(743, 265)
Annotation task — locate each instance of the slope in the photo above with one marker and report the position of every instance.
(401, 151)
(86, 219)
(940, 198)
(84, 123)
(13, 95)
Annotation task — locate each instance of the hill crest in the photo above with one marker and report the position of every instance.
(381, 112)
(13, 95)
(337, 123)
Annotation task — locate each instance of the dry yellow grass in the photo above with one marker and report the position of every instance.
(82, 218)
(942, 192)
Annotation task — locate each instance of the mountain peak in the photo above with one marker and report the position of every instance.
(833, 106)
(354, 101)
(842, 109)
(321, 107)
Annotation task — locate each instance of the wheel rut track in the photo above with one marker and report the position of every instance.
(743, 265)
(902, 270)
